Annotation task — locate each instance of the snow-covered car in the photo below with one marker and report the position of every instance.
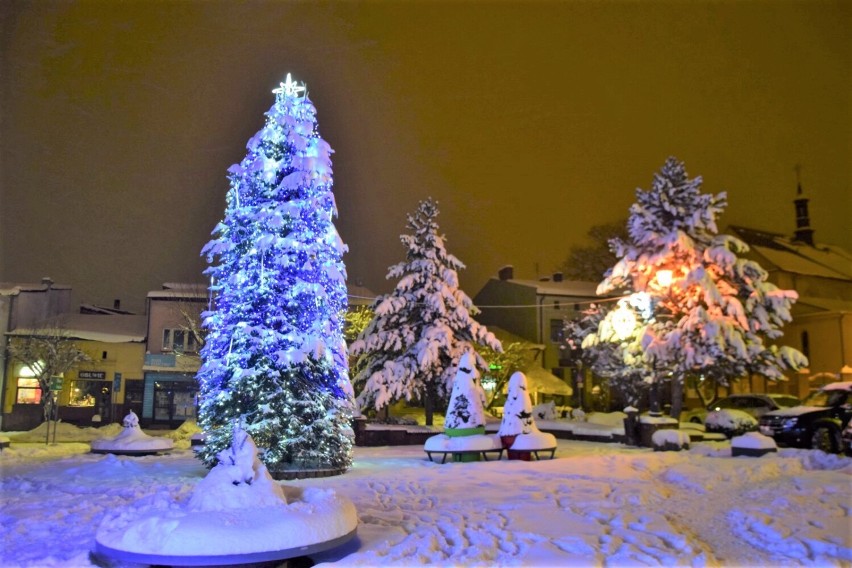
(754, 404)
(817, 423)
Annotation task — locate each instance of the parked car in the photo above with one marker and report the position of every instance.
(754, 404)
(847, 439)
(817, 423)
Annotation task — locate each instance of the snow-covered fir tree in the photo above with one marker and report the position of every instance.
(420, 329)
(275, 359)
(707, 312)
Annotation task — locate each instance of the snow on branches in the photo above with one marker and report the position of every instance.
(420, 329)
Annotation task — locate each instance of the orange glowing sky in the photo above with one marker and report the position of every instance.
(528, 122)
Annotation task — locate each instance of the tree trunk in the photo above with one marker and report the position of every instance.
(677, 397)
(654, 399)
(428, 403)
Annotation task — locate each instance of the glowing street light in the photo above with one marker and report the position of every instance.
(623, 321)
(664, 278)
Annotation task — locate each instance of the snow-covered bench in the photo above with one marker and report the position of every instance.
(481, 453)
(479, 445)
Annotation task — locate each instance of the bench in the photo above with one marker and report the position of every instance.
(482, 453)
(545, 450)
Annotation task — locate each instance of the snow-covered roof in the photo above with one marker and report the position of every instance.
(541, 380)
(92, 327)
(827, 261)
(840, 386)
(571, 288)
(180, 290)
(360, 295)
(15, 288)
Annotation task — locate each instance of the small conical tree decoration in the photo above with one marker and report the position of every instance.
(517, 412)
(274, 358)
(465, 410)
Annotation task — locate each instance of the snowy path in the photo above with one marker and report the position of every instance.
(596, 504)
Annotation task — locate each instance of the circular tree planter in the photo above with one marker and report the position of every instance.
(296, 473)
(319, 522)
(132, 441)
(237, 514)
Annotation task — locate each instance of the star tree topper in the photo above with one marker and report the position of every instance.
(290, 89)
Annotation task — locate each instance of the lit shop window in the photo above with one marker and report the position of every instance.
(29, 391)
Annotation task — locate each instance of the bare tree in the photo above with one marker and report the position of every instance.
(48, 353)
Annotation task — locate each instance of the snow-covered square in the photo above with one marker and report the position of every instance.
(594, 505)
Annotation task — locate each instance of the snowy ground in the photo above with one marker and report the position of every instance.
(596, 504)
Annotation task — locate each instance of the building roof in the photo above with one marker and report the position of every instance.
(15, 288)
(180, 291)
(91, 327)
(826, 261)
(571, 288)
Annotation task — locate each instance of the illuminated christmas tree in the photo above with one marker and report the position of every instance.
(274, 358)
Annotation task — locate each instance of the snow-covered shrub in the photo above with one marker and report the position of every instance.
(578, 415)
(545, 411)
(752, 444)
(730, 422)
(670, 440)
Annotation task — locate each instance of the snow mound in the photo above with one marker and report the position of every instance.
(534, 441)
(753, 441)
(475, 443)
(670, 437)
(132, 440)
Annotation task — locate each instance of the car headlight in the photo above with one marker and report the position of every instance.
(790, 422)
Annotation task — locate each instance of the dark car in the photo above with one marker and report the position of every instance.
(754, 404)
(816, 424)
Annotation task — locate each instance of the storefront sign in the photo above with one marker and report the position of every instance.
(91, 375)
(116, 383)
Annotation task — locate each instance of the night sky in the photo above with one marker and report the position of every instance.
(529, 122)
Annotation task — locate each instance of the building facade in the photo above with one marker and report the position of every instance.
(92, 393)
(536, 310)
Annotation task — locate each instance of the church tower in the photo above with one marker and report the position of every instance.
(804, 233)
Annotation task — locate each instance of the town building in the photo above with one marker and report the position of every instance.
(22, 305)
(536, 310)
(93, 392)
(821, 274)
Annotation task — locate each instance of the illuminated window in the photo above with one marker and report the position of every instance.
(180, 340)
(88, 393)
(29, 391)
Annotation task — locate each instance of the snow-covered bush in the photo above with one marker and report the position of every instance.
(578, 415)
(545, 411)
(730, 422)
(670, 440)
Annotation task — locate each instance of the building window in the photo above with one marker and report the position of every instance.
(180, 340)
(29, 391)
(557, 333)
(806, 344)
(89, 393)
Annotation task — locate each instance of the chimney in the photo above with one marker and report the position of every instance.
(116, 304)
(557, 277)
(506, 273)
